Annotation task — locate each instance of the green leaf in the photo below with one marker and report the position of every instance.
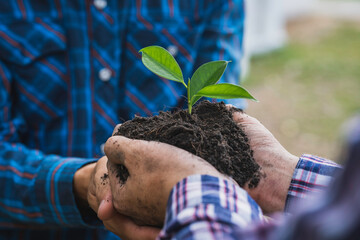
(225, 91)
(162, 63)
(207, 74)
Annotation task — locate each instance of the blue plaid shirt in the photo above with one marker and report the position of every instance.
(69, 71)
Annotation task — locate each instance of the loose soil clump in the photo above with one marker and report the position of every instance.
(209, 132)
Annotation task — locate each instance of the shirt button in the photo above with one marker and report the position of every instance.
(100, 4)
(173, 50)
(102, 146)
(105, 74)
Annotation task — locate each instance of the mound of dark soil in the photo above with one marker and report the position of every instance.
(209, 132)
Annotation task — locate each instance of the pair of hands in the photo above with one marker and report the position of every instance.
(155, 168)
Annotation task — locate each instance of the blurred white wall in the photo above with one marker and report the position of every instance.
(265, 27)
(298, 8)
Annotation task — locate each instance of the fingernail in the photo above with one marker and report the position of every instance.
(101, 205)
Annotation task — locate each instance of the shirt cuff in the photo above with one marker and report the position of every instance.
(55, 194)
(312, 175)
(203, 197)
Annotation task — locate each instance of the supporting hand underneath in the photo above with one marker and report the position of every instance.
(153, 170)
(276, 162)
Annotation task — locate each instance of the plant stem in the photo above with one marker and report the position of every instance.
(184, 84)
(188, 97)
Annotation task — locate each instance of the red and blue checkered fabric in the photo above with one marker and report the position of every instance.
(206, 207)
(69, 71)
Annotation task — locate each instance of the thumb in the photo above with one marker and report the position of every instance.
(243, 118)
(116, 129)
(238, 115)
(125, 151)
(106, 208)
(115, 148)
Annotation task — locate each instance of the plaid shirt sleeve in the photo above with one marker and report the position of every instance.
(49, 179)
(312, 175)
(206, 207)
(37, 188)
(55, 97)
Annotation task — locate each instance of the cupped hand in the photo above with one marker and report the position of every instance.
(277, 164)
(127, 229)
(153, 169)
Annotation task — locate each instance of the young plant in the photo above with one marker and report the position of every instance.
(202, 83)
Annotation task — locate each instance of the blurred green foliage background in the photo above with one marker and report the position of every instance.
(308, 89)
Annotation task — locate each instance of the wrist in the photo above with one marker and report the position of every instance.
(272, 190)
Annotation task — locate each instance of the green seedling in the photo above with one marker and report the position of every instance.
(202, 83)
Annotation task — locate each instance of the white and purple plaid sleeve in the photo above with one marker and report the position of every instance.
(206, 207)
(312, 175)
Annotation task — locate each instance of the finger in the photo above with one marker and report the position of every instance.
(229, 106)
(114, 150)
(125, 151)
(92, 200)
(140, 155)
(127, 229)
(99, 199)
(106, 209)
(243, 118)
(99, 187)
(91, 194)
(116, 129)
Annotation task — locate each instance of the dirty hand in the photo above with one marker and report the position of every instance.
(100, 200)
(99, 195)
(127, 229)
(276, 162)
(153, 169)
